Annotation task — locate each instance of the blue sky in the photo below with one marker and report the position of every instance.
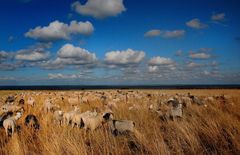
(119, 42)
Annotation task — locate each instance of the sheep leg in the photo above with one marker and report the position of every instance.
(13, 130)
(6, 130)
(73, 124)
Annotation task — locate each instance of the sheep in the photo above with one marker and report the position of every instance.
(21, 101)
(58, 117)
(121, 126)
(195, 99)
(186, 101)
(32, 121)
(77, 118)
(8, 108)
(5, 116)
(93, 122)
(176, 111)
(175, 108)
(10, 123)
(10, 99)
(50, 107)
(85, 100)
(67, 116)
(31, 101)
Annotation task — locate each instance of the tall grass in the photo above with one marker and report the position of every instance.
(214, 129)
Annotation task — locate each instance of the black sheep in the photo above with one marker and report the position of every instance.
(32, 121)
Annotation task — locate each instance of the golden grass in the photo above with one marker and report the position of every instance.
(214, 129)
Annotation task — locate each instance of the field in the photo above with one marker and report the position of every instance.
(210, 129)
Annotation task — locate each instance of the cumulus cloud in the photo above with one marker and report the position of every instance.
(69, 54)
(196, 24)
(62, 76)
(99, 8)
(160, 61)
(127, 57)
(198, 55)
(152, 33)
(212, 73)
(33, 56)
(74, 76)
(3, 55)
(78, 54)
(6, 66)
(193, 65)
(218, 17)
(174, 34)
(60, 31)
(165, 33)
(36, 52)
(153, 69)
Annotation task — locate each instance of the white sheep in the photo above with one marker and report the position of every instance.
(50, 107)
(58, 117)
(31, 101)
(67, 116)
(8, 108)
(176, 111)
(93, 122)
(121, 126)
(77, 118)
(10, 123)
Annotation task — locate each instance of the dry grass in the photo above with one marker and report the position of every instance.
(214, 129)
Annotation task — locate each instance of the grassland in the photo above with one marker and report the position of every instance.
(214, 129)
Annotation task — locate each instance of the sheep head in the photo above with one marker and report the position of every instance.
(107, 116)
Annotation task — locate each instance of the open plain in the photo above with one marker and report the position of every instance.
(194, 121)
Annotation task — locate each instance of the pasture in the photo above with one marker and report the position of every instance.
(212, 127)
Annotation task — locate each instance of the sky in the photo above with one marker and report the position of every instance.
(119, 42)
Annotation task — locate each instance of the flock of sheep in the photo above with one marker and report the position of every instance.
(167, 107)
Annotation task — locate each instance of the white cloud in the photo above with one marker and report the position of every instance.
(155, 61)
(57, 30)
(196, 24)
(31, 56)
(99, 8)
(157, 64)
(69, 54)
(36, 52)
(165, 33)
(199, 55)
(126, 57)
(212, 73)
(218, 17)
(62, 76)
(3, 55)
(77, 53)
(10, 66)
(152, 33)
(153, 69)
(173, 33)
(193, 65)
